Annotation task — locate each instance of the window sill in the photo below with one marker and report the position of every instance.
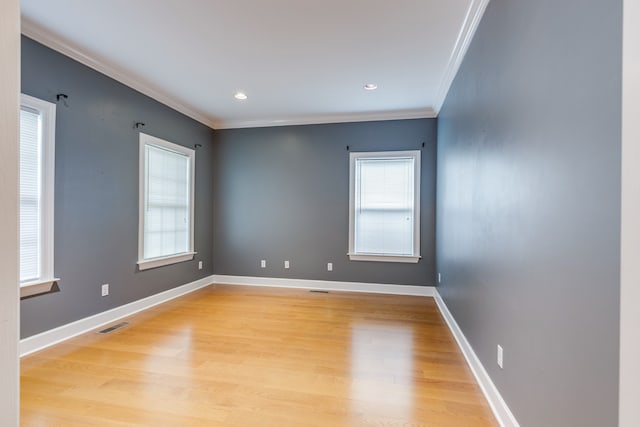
(29, 289)
(159, 262)
(385, 258)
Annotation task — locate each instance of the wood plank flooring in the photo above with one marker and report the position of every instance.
(249, 356)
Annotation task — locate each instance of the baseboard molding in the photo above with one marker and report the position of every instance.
(491, 393)
(325, 285)
(62, 333)
(54, 336)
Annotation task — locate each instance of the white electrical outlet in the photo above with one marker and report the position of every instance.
(263, 263)
(286, 264)
(105, 289)
(439, 278)
(329, 266)
(500, 356)
(199, 265)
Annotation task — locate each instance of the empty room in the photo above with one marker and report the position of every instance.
(304, 213)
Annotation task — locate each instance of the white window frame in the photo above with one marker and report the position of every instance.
(353, 256)
(144, 264)
(46, 279)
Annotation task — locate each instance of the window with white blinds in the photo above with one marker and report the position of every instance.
(166, 205)
(37, 141)
(384, 218)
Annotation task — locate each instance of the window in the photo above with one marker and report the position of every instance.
(167, 174)
(384, 206)
(37, 163)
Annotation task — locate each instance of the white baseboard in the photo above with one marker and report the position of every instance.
(48, 338)
(325, 285)
(491, 393)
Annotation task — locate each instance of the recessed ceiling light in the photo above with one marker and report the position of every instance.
(241, 96)
(370, 86)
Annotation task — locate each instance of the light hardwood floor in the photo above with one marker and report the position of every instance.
(248, 356)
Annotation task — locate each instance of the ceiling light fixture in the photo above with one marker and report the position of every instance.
(370, 86)
(241, 96)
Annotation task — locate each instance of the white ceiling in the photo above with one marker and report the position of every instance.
(299, 61)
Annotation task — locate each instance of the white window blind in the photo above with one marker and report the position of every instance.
(37, 164)
(167, 204)
(30, 192)
(385, 206)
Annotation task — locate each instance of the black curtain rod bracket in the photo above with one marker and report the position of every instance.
(62, 97)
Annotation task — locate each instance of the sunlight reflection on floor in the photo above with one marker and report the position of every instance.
(382, 354)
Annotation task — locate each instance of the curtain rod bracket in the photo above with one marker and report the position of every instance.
(63, 97)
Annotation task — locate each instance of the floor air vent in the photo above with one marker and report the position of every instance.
(319, 291)
(113, 328)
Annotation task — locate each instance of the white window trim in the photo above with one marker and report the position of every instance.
(145, 264)
(353, 256)
(37, 287)
(46, 280)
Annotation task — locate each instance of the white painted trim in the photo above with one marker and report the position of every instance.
(497, 403)
(468, 30)
(67, 48)
(499, 407)
(354, 156)
(385, 258)
(149, 140)
(167, 260)
(37, 287)
(629, 410)
(47, 142)
(422, 113)
(62, 333)
(325, 285)
(55, 42)
(54, 336)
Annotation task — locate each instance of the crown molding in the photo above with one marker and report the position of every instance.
(424, 113)
(55, 42)
(468, 30)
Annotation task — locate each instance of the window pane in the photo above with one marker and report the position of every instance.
(30, 179)
(384, 206)
(167, 214)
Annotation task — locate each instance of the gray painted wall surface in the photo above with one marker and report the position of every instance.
(282, 193)
(96, 190)
(529, 205)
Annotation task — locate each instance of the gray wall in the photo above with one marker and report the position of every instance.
(282, 193)
(96, 190)
(529, 205)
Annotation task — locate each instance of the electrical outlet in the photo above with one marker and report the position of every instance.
(439, 278)
(286, 264)
(263, 263)
(329, 266)
(199, 265)
(105, 289)
(500, 356)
